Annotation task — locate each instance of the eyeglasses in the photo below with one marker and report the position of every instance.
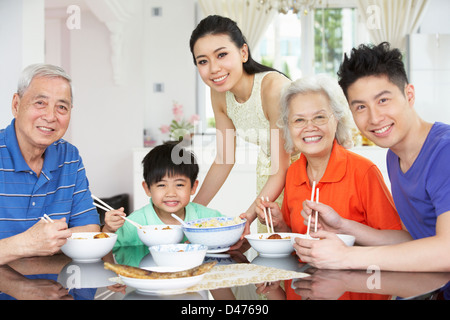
(318, 120)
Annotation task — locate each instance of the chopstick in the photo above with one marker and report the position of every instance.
(265, 217)
(107, 207)
(317, 212)
(312, 199)
(270, 216)
(108, 293)
(46, 219)
(102, 207)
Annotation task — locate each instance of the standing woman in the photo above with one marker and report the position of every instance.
(245, 98)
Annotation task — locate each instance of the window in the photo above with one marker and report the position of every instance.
(281, 47)
(285, 45)
(334, 34)
(298, 45)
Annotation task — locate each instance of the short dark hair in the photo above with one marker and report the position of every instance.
(371, 60)
(169, 158)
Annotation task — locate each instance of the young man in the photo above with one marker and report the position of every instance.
(40, 173)
(381, 100)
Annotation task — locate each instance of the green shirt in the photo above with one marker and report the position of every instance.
(127, 235)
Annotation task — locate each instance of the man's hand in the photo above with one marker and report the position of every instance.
(44, 238)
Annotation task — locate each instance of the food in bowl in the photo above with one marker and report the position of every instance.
(85, 247)
(218, 233)
(101, 235)
(274, 236)
(182, 255)
(215, 222)
(269, 246)
(152, 235)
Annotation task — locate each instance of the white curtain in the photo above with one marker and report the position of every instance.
(251, 18)
(392, 20)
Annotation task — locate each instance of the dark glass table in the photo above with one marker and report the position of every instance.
(58, 277)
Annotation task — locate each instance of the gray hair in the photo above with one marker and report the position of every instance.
(41, 70)
(338, 103)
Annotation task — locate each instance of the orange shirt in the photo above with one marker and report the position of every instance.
(352, 185)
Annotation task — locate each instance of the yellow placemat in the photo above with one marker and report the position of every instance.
(241, 274)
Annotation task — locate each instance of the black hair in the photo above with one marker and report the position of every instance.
(169, 158)
(214, 25)
(371, 60)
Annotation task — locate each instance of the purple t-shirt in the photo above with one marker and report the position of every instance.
(423, 192)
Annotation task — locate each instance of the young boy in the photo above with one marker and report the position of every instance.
(170, 179)
(382, 103)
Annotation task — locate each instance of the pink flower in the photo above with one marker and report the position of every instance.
(177, 111)
(194, 119)
(164, 128)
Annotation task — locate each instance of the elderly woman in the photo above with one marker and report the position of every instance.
(317, 123)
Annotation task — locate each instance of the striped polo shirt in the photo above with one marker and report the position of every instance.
(61, 190)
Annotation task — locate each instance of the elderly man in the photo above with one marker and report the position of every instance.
(39, 172)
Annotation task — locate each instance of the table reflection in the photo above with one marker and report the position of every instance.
(60, 278)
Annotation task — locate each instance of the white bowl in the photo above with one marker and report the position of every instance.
(271, 247)
(216, 238)
(348, 239)
(82, 247)
(153, 235)
(183, 256)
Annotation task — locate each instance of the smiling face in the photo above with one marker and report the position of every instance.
(219, 61)
(171, 195)
(382, 112)
(42, 113)
(312, 139)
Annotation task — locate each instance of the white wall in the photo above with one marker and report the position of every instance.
(429, 69)
(107, 119)
(436, 19)
(109, 116)
(21, 44)
(167, 60)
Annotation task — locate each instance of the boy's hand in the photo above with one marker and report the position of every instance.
(114, 220)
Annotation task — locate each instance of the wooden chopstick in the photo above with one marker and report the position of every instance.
(317, 212)
(312, 199)
(107, 207)
(46, 219)
(265, 217)
(101, 207)
(270, 216)
(103, 203)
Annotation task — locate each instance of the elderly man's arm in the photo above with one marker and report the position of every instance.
(86, 228)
